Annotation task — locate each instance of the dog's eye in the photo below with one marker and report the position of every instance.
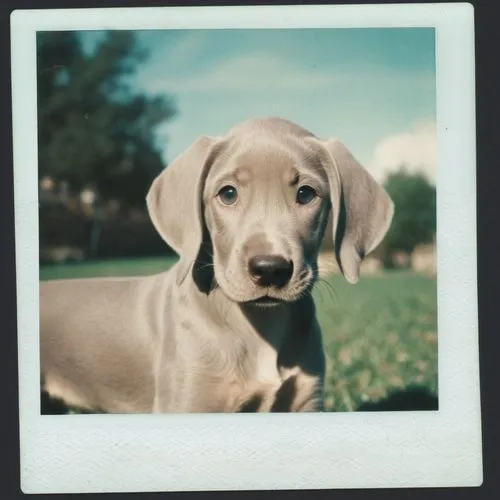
(305, 195)
(228, 195)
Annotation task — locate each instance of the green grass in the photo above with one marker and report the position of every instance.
(115, 267)
(380, 335)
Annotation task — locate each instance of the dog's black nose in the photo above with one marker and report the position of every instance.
(270, 270)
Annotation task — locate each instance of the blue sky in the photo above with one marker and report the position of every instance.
(372, 88)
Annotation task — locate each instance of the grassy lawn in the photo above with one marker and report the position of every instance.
(115, 267)
(380, 335)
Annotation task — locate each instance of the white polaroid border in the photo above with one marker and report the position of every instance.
(119, 453)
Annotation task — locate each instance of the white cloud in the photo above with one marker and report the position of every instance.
(251, 72)
(416, 149)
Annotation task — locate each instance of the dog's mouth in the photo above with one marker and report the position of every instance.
(266, 301)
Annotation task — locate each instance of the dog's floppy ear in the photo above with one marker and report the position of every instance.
(174, 202)
(362, 210)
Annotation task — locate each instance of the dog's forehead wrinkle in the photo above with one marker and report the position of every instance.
(243, 174)
(260, 158)
(293, 178)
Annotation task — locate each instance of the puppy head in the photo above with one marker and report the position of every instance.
(253, 207)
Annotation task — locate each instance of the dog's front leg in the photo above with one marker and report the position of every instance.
(302, 366)
(299, 392)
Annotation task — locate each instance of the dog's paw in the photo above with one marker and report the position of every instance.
(257, 397)
(297, 393)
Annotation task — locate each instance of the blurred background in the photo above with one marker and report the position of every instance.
(114, 108)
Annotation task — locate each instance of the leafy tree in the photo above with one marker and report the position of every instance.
(414, 219)
(93, 127)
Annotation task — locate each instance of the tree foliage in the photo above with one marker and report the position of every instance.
(93, 126)
(414, 219)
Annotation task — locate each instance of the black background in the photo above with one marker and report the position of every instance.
(487, 37)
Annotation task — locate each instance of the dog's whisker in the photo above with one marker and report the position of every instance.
(205, 266)
(324, 285)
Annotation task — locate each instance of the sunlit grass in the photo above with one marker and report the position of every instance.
(380, 336)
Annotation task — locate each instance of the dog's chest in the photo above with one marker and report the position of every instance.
(265, 367)
(255, 373)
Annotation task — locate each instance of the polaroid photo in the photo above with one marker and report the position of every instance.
(226, 212)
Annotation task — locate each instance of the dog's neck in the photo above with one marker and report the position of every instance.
(271, 323)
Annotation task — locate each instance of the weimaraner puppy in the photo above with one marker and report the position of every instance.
(231, 326)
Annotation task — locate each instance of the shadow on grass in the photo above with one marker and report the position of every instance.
(412, 398)
(52, 406)
(55, 406)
